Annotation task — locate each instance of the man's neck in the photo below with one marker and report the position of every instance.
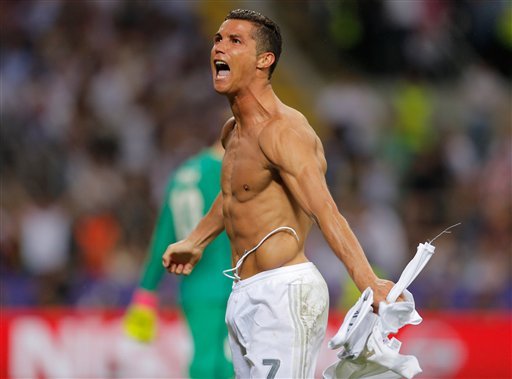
(253, 105)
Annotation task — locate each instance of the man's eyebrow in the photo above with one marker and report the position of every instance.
(231, 36)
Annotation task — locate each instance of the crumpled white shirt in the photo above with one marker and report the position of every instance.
(366, 351)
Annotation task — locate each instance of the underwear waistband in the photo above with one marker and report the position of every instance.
(280, 271)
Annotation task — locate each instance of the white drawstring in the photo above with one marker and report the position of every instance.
(235, 269)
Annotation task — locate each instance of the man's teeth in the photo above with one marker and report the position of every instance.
(222, 68)
(221, 64)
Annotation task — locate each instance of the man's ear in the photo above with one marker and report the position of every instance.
(265, 60)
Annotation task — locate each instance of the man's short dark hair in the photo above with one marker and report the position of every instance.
(267, 34)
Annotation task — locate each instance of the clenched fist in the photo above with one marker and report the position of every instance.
(181, 257)
(381, 288)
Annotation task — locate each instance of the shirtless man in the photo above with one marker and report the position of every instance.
(273, 189)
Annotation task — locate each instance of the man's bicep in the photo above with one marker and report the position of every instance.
(309, 189)
(298, 156)
(291, 150)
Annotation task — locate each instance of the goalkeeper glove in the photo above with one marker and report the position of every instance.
(140, 320)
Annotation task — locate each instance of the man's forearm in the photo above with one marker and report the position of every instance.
(210, 226)
(345, 245)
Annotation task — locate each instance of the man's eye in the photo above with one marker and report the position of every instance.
(236, 40)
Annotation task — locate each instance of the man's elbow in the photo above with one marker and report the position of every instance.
(314, 218)
(327, 214)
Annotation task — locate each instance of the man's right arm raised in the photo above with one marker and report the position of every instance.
(181, 257)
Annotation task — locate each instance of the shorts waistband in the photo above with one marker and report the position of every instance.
(241, 284)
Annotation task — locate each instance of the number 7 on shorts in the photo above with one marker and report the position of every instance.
(275, 363)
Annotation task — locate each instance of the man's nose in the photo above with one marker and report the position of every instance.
(219, 47)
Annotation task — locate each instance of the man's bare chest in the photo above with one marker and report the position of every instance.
(246, 171)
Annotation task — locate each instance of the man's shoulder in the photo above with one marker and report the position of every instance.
(291, 116)
(287, 134)
(289, 120)
(228, 127)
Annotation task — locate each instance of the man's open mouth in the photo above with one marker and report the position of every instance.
(222, 68)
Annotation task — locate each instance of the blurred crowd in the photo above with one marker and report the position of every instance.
(100, 100)
(419, 109)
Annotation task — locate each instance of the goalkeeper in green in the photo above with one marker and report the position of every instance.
(189, 194)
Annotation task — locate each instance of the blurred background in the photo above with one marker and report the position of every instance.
(100, 100)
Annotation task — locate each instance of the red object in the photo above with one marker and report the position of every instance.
(48, 343)
(145, 298)
(97, 236)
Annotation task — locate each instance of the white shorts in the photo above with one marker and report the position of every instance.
(277, 321)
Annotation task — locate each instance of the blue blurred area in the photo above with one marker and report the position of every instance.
(100, 100)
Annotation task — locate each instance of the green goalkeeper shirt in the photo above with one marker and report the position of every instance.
(189, 194)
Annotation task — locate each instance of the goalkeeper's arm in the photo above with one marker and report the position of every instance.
(140, 320)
